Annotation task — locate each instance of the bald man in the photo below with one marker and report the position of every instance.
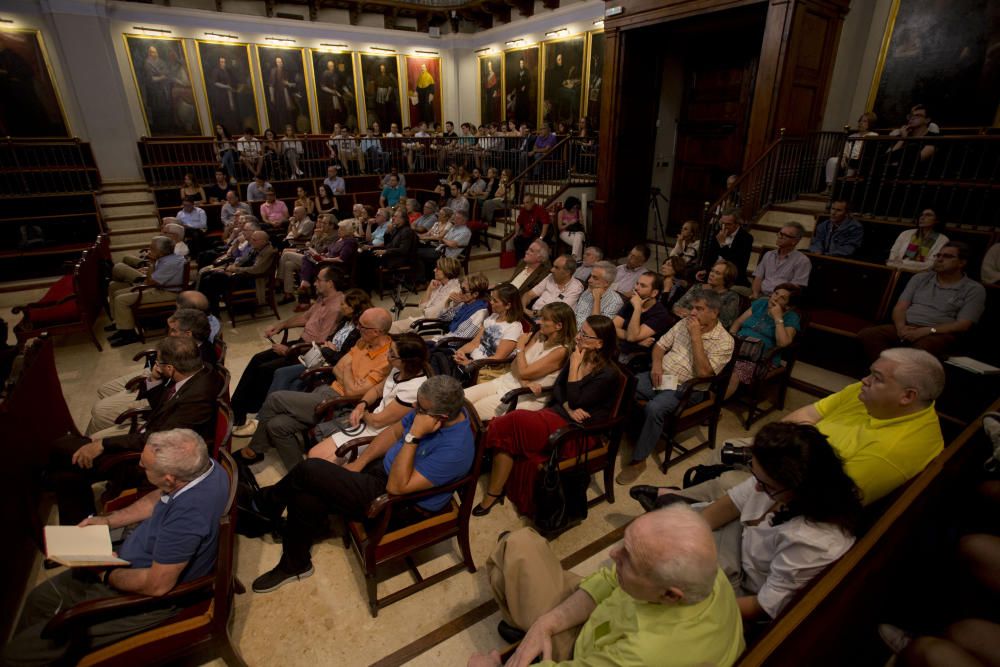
(256, 264)
(195, 299)
(286, 414)
(665, 602)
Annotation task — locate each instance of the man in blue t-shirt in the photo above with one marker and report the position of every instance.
(432, 446)
(176, 541)
(392, 193)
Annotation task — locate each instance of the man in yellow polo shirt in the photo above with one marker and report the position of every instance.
(665, 602)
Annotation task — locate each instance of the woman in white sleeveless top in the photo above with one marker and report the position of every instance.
(540, 357)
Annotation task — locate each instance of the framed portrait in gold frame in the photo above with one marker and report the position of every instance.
(520, 85)
(26, 76)
(283, 75)
(336, 86)
(595, 75)
(227, 77)
(423, 89)
(490, 69)
(162, 80)
(563, 62)
(380, 84)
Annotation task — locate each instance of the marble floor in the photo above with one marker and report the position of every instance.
(324, 620)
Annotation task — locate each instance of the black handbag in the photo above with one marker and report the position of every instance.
(749, 349)
(561, 495)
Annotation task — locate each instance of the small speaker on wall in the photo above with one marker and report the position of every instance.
(434, 31)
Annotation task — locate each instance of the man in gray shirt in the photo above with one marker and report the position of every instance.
(934, 309)
(784, 264)
(232, 205)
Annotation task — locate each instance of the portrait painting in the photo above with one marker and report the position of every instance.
(380, 80)
(490, 90)
(336, 95)
(595, 68)
(29, 103)
(229, 86)
(562, 83)
(423, 90)
(163, 82)
(943, 55)
(283, 74)
(520, 85)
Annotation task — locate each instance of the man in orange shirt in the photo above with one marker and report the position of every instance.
(285, 415)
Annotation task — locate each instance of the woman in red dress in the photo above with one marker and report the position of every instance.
(580, 394)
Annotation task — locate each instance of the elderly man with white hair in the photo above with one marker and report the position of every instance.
(175, 232)
(665, 602)
(175, 541)
(599, 298)
(164, 280)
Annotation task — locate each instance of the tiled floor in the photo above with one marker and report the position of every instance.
(324, 620)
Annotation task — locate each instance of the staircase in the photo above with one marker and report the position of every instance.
(129, 211)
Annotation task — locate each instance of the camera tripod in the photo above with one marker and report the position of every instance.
(660, 226)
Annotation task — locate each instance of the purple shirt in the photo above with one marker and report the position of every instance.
(546, 142)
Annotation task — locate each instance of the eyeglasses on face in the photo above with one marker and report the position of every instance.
(941, 255)
(783, 235)
(421, 410)
(581, 334)
(767, 488)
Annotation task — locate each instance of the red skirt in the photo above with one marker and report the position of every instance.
(524, 434)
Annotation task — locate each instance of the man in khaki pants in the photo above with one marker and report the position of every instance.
(166, 279)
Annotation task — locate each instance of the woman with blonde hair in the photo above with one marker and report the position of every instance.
(540, 357)
(447, 273)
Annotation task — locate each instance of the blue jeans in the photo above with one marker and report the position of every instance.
(659, 405)
(287, 379)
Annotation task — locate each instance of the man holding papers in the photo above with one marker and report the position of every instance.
(175, 541)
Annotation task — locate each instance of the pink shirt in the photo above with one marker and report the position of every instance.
(322, 318)
(274, 212)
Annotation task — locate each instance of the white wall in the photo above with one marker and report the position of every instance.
(671, 95)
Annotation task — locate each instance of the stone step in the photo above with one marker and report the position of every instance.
(773, 220)
(128, 208)
(485, 262)
(11, 295)
(802, 206)
(130, 237)
(130, 197)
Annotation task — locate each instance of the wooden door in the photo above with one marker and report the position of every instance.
(711, 132)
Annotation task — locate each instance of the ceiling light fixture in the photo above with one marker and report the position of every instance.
(515, 42)
(599, 23)
(142, 28)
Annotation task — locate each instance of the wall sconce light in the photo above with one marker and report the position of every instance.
(426, 53)
(6, 21)
(222, 35)
(515, 42)
(599, 23)
(279, 40)
(485, 49)
(333, 46)
(557, 33)
(382, 48)
(142, 28)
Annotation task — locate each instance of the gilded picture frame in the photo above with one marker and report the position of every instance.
(382, 89)
(489, 77)
(563, 69)
(423, 92)
(236, 107)
(284, 82)
(27, 76)
(335, 92)
(163, 84)
(522, 102)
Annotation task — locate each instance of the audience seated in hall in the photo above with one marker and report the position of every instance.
(392, 192)
(570, 227)
(533, 267)
(914, 249)
(399, 250)
(255, 264)
(174, 541)
(467, 310)
(777, 530)
(234, 249)
(697, 346)
(257, 190)
(445, 284)
(672, 272)
(324, 234)
(558, 287)
(838, 236)
(730, 242)
(666, 602)
(782, 265)
(191, 188)
(902, 155)
(300, 229)
(496, 339)
(599, 298)
(273, 214)
(643, 319)
(164, 280)
(114, 398)
(452, 244)
(532, 223)
(719, 280)
(191, 216)
(175, 233)
(384, 404)
(628, 272)
(317, 323)
(432, 446)
(541, 355)
(772, 321)
(591, 256)
(934, 310)
(850, 157)
(181, 392)
(579, 395)
(427, 219)
(688, 243)
(219, 190)
(286, 414)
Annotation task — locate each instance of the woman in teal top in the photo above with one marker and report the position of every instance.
(770, 320)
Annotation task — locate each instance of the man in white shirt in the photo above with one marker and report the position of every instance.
(233, 206)
(192, 216)
(334, 182)
(560, 285)
(257, 191)
(175, 232)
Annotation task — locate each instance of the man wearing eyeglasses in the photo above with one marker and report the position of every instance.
(286, 414)
(431, 446)
(782, 265)
(918, 124)
(560, 285)
(934, 310)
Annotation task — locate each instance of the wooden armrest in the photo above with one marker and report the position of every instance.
(429, 321)
(44, 304)
(133, 384)
(702, 383)
(296, 349)
(485, 363)
(92, 612)
(145, 354)
(109, 461)
(573, 429)
(133, 416)
(337, 402)
(450, 341)
(284, 334)
(379, 505)
(316, 375)
(513, 395)
(349, 449)
(139, 289)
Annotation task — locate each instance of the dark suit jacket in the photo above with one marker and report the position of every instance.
(192, 406)
(738, 252)
(261, 264)
(401, 248)
(537, 276)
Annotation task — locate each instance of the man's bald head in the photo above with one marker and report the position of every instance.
(192, 299)
(377, 318)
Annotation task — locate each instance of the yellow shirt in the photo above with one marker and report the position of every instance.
(878, 454)
(626, 632)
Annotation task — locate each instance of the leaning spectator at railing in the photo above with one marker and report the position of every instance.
(216, 192)
(991, 265)
(257, 191)
(850, 158)
(250, 151)
(782, 265)
(426, 221)
(688, 243)
(914, 249)
(191, 216)
(225, 152)
(918, 124)
(838, 236)
(274, 212)
(191, 188)
(392, 193)
(232, 207)
(370, 146)
(935, 308)
(293, 150)
(628, 273)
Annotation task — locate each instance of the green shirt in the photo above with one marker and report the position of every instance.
(625, 632)
(880, 455)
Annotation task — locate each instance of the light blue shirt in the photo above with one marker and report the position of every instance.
(169, 272)
(393, 195)
(196, 219)
(461, 235)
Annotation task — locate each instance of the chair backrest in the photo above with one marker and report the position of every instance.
(220, 350)
(223, 428)
(224, 577)
(626, 387)
(467, 492)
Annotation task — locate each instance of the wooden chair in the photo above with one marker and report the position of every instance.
(379, 539)
(157, 310)
(261, 293)
(600, 459)
(199, 629)
(767, 375)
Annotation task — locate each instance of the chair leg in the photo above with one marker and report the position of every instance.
(372, 585)
(93, 336)
(230, 655)
(609, 481)
(463, 545)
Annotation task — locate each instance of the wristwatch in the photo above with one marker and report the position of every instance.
(411, 439)
(933, 330)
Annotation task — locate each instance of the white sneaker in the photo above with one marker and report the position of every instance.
(895, 638)
(246, 430)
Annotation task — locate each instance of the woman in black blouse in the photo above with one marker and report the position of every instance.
(580, 394)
